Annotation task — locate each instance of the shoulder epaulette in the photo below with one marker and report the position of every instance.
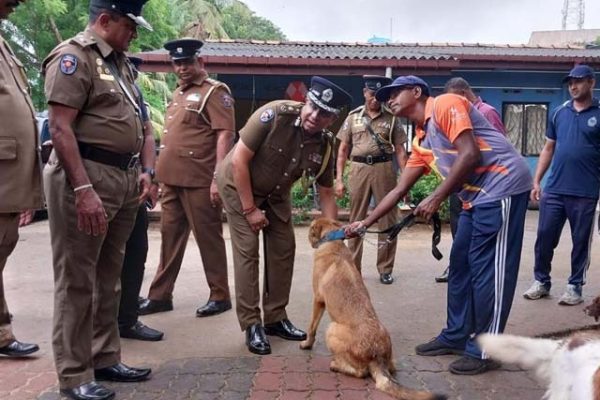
(356, 110)
(217, 83)
(81, 40)
(290, 107)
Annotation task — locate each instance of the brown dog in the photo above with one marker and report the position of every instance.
(360, 344)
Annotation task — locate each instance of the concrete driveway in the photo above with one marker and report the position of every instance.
(207, 359)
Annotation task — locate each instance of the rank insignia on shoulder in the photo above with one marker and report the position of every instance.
(227, 100)
(68, 64)
(267, 115)
(193, 97)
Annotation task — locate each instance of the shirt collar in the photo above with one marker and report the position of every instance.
(196, 82)
(595, 103)
(477, 103)
(364, 111)
(428, 114)
(105, 49)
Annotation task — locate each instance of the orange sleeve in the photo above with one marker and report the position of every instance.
(419, 158)
(452, 115)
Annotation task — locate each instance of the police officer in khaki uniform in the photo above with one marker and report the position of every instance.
(93, 188)
(373, 137)
(283, 141)
(20, 175)
(198, 134)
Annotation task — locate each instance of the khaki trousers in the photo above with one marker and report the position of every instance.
(281, 248)
(87, 270)
(9, 235)
(365, 181)
(184, 210)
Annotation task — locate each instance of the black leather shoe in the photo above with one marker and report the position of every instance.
(154, 306)
(256, 340)
(139, 331)
(386, 279)
(19, 349)
(122, 373)
(213, 307)
(285, 330)
(89, 391)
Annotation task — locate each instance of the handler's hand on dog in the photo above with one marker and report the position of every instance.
(257, 220)
(428, 206)
(355, 229)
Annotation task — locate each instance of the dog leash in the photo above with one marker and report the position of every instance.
(395, 229)
(393, 232)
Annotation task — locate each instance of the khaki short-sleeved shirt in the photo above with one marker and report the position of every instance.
(284, 153)
(20, 176)
(385, 125)
(194, 117)
(78, 76)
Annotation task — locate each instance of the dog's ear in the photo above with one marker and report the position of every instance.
(314, 232)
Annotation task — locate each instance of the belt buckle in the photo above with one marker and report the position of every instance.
(369, 159)
(133, 161)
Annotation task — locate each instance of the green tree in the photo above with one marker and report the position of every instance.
(242, 23)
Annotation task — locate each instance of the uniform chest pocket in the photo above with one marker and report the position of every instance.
(108, 96)
(192, 115)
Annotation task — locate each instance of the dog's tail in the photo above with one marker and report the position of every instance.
(386, 383)
(528, 353)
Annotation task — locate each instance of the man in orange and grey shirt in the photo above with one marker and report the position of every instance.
(493, 182)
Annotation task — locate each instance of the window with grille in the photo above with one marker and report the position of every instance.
(525, 125)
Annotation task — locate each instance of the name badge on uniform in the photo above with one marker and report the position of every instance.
(106, 77)
(193, 97)
(316, 158)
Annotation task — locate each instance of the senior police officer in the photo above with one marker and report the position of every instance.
(372, 136)
(283, 141)
(20, 176)
(198, 134)
(94, 187)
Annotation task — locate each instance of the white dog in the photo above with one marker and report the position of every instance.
(570, 368)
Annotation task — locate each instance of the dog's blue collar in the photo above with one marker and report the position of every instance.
(331, 236)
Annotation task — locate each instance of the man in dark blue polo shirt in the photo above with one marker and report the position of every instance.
(571, 192)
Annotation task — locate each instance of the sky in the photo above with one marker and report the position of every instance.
(423, 21)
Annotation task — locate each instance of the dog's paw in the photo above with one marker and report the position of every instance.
(306, 344)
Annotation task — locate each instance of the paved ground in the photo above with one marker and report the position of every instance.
(207, 358)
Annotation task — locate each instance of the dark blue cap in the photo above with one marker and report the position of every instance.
(183, 48)
(580, 71)
(384, 93)
(376, 82)
(327, 95)
(129, 8)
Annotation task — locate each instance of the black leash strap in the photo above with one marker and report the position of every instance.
(395, 229)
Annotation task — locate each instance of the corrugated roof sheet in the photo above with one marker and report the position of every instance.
(367, 51)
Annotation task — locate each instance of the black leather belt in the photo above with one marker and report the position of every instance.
(121, 161)
(372, 159)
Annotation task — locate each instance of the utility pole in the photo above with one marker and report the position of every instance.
(573, 13)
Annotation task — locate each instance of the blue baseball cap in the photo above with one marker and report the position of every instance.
(384, 93)
(580, 71)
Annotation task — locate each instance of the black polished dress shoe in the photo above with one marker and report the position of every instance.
(213, 307)
(386, 279)
(19, 349)
(285, 330)
(122, 373)
(139, 331)
(256, 340)
(89, 391)
(154, 306)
